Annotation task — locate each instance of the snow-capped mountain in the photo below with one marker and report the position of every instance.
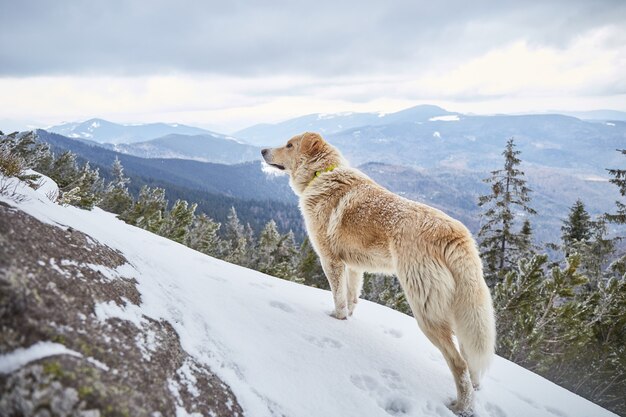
(328, 124)
(268, 341)
(103, 131)
(431, 137)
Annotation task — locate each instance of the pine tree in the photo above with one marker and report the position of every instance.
(19, 152)
(116, 198)
(265, 251)
(177, 221)
(309, 268)
(526, 246)
(285, 259)
(235, 242)
(536, 312)
(501, 246)
(64, 171)
(595, 252)
(577, 226)
(203, 235)
(619, 180)
(148, 210)
(90, 187)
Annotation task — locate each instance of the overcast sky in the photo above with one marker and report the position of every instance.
(229, 64)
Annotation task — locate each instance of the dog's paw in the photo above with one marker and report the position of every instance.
(460, 410)
(340, 314)
(351, 307)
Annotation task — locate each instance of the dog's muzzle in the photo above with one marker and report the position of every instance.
(266, 156)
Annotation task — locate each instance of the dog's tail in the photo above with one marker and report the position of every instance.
(475, 323)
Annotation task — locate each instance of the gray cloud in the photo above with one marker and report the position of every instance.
(277, 37)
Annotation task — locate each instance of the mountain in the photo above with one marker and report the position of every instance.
(326, 124)
(103, 131)
(216, 187)
(476, 142)
(256, 195)
(210, 147)
(108, 319)
(597, 115)
(246, 181)
(431, 137)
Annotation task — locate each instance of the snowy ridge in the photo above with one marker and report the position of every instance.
(276, 346)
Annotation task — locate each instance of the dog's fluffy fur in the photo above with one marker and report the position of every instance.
(355, 225)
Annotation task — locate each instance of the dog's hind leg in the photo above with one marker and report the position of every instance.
(335, 271)
(440, 335)
(355, 283)
(429, 289)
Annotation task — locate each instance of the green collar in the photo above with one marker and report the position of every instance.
(318, 173)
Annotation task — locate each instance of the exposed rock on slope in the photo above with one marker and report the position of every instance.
(55, 286)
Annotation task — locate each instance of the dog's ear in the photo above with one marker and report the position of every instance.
(312, 143)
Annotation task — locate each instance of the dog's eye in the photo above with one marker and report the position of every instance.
(289, 145)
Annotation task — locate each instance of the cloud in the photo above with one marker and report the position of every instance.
(228, 64)
(118, 37)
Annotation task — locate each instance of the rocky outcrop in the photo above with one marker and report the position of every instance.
(61, 354)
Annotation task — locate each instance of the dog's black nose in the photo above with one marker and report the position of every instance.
(264, 151)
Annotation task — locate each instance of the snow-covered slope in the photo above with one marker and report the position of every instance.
(275, 344)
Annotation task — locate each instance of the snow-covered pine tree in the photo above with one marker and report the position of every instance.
(90, 187)
(619, 217)
(501, 246)
(309, 267)
(538, 314)
(19, 152)
(619, 179)
(177, 221)
(147, 212)
(285, 259)
(265, 251)
(116, 198)
(235, 242)
(203, 235)
(577, 226)
(64, 171)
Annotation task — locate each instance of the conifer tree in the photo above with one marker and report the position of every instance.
(147, 212)
(64, 171)
(235, 243)
(577, 226)
(116, 198)
(265, 251)
(501, 245)
(203, 235)
(309, 267)
(90, 187)
(285, 259)
(619, 180)
(177, 221)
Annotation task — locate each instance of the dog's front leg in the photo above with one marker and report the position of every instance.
(335, 271)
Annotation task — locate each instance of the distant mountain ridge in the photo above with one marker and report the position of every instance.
(103, 131)
(276, 134)
(454, 191)
(209, 147)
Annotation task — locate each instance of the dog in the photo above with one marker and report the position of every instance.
(356, 226)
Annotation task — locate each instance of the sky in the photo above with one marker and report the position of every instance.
(226, 65)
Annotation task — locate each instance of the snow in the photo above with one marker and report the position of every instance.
(12, 361)
(275, 344)
(448, 118)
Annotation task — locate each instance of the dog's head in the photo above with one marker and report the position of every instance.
(301, 157)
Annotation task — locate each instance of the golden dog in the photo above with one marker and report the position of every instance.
(355, 225)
